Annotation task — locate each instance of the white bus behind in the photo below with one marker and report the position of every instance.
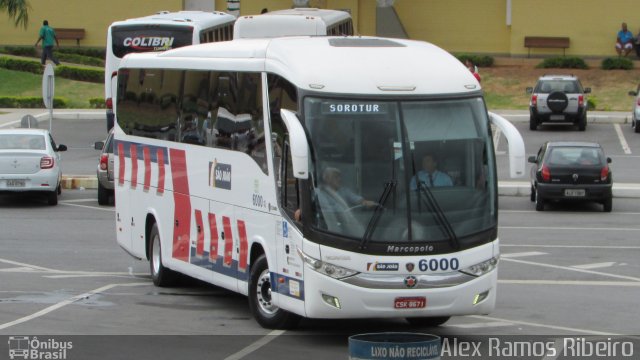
(285, 169)
(292, 22)
(160, 32)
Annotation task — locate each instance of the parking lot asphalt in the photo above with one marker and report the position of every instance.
(13, 117)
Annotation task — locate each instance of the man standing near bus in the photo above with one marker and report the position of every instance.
(47, 35)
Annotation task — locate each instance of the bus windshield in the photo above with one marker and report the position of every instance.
(393, 172)
(149, 37)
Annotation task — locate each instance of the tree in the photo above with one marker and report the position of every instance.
(18, 11)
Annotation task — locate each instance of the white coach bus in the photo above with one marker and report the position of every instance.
(285, 169)
(160, 32)
(291, 22)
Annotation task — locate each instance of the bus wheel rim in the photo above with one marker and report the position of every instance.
(263, 294)
(156, 255)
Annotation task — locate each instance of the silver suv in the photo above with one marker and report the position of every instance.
(558, 98)
(105, 169)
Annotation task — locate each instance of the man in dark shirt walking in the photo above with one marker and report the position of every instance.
(47, 35)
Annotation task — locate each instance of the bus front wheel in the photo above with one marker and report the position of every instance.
(265, 312)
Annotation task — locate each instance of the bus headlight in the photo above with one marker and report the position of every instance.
(334, 271)
(481, 268)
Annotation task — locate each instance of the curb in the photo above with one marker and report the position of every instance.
(79, 182)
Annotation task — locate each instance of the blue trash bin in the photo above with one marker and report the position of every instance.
(394, 346)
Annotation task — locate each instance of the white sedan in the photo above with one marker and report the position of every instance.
(30, 162)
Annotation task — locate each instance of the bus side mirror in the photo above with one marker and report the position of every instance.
(298, 143)
(517, 155)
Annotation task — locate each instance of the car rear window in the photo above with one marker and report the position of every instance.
(566, 86)
(22, 142)
(575, 155)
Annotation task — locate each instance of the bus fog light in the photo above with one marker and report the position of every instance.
(480, 297)
(331, 300)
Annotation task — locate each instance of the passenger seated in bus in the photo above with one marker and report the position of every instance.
(332, 196)
(429, 175)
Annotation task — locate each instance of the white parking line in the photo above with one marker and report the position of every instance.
(256, 345)
(624, 277)
(567, 228)
(620, 247)
(623, 141)
(595, 265)
(64, 303)
(554, 327)
(482, 325)
(521, 254)
(570, 282)
(88, 207)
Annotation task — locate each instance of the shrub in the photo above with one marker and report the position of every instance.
(617, 63)
(80, 74)
(565, 62)
(592, 103)
(32, 102)
(20, 50)
(21, 65)
(478, 60)
(96, 103)
(80, 59)
(99, 53)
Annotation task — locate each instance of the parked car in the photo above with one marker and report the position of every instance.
(30, 162)
(635, 113)
(105, 169)
(571, 171)
(558, 98)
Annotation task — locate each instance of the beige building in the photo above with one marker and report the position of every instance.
(496, 27)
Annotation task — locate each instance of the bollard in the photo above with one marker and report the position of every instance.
(394, 346)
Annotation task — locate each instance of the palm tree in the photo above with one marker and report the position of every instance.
(18, 11)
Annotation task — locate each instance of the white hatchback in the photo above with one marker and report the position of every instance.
(30, 162)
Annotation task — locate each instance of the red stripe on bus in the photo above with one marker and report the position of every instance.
(213, 244)
(244, 246)
(134, 165)
(200, 236)
(160, 171)
(228, 241)
(182, 204)
(147, 168)
(120, 164)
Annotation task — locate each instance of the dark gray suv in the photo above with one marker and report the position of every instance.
(558, 98)
(105, 169)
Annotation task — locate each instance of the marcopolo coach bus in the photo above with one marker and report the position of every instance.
(293, 170)
(297, 21)
(159, 32)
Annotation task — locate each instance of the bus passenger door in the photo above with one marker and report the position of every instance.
(122, 194)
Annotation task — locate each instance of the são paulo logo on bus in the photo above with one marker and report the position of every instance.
(149, 43)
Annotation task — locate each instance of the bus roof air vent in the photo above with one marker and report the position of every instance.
(363, 42)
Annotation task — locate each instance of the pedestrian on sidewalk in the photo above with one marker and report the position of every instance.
(47, 35)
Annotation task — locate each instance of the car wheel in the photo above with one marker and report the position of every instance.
(533, 123)
(52, 197)
(59, 189)
(582, 123)
(533, 194)
(160, 275)
(637, 127)
(607, 205)
(428, 321)
(103, 195)
(265, 312)
(539, 202)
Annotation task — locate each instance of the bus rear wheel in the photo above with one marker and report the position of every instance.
(428, 321)
(161, 276)
(264, 311)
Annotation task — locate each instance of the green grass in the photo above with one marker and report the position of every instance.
(77, 93)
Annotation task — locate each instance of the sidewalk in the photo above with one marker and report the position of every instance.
(11, 118)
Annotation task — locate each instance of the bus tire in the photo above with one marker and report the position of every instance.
(266, 314)
(161, 276)
(428, 321)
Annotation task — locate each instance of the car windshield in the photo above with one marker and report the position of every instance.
(401, 171)
(566, 86)
(22, 142)
(575, 155)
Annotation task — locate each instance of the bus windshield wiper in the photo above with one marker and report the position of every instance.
(438, 214)
(373, 222)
